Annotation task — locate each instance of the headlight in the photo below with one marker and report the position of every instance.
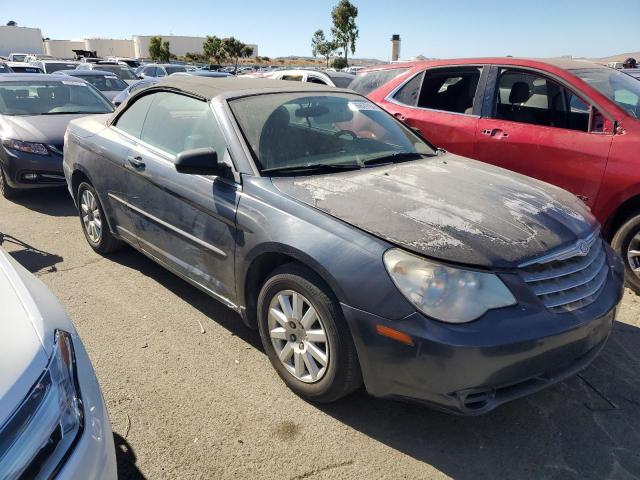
(37, 436)
(37, 148)
(445, 293)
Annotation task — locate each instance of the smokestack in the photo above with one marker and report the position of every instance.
(395, 47)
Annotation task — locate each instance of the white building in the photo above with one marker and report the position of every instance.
(20, 40)
(63, 48)
(108, 47)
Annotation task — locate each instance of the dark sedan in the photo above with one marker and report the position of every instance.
(34, 113)
(359, 251)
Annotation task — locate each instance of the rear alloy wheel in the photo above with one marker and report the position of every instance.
(306, 336)
(93, 221)
(6, 190)
(627, 243)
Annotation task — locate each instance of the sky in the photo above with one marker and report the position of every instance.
(441, 29)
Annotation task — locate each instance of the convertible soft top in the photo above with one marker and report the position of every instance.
(208, 88)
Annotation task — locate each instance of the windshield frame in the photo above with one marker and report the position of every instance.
(251, 156)
(624, 111)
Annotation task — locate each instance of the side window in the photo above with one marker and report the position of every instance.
(132, 119)
(531, 98)
(313, 79)
(450, 90)
(176, 123)
(160, 72)
(295, 78)
(409, 93)
(150, 71)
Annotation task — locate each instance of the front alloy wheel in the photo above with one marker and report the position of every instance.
(305, 335)
(298, 336)
(626, 242)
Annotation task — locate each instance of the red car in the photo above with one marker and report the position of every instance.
(568, 122)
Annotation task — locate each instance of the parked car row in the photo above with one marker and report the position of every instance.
(351, 227)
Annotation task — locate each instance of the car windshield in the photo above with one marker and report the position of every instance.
(50, 98)
(120, 70)
(55, 67)
(19, 58)
(173, 69)
(340, 81)
(302, 131)
(105, 83)
(618, 87)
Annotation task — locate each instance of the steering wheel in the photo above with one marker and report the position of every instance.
(340, 133)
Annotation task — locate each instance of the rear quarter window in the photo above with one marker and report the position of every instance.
(367, 82)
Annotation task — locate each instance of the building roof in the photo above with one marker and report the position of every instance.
(208, 87)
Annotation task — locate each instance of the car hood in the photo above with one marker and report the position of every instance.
(22, 354)
(450, 208)
(37, 128)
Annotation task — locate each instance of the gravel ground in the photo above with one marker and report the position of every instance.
(187, 404)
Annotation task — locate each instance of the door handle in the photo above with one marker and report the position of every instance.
(135, 162)
(399, 116)
(496, 133)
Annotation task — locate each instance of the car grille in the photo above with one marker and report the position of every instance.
(570, 279)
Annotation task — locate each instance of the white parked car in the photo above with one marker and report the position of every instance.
(52, 66)
(333, 79)
(53, 421)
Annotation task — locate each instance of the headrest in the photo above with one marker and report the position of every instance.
(279, 118)
(61, 95)
(520, 92)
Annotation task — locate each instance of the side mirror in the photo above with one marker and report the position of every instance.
(201, 161)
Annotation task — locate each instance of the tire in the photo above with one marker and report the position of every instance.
(625, 242)
(341, 374)
(6, 190)
(94, 226)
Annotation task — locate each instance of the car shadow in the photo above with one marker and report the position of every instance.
(31, 258)
(55, 202)
(126, 460)
(586, 427)
(208, 306)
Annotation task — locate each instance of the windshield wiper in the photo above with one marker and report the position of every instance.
(313, 166)
(68, 113)
(395, 157)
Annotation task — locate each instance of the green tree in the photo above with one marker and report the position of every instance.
(214, 49)
(165, 52)
(235, 49)
(344, 30)
(155, 48)
(321, 46)
(339, 63)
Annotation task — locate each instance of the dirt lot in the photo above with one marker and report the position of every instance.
(184, 404)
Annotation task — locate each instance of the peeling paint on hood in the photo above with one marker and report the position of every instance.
(451, 208)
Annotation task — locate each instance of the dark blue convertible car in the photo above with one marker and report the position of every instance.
(360, 252)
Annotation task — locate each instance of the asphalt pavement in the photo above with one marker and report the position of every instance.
(188, 404)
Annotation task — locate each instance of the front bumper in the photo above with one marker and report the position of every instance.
(93, 456)
(472, 368)
(46, 168)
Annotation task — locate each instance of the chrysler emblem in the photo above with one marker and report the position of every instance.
(583, 247)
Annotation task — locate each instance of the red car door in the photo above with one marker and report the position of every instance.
(543, 129)
(441, 104)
